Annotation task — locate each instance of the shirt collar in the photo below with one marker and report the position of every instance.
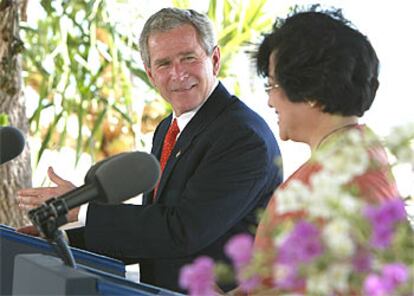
(186, 117)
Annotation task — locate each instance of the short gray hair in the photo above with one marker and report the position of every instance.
(170, 18)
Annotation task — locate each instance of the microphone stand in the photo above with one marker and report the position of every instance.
(48, 218)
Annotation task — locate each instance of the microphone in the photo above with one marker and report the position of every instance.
(11, 143)
(117, 178)
(110, 181)
(92, 171)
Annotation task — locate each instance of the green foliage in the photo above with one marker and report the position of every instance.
(238, 23)
(4, 120)
(80, 65)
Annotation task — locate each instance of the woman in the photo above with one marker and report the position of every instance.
(322, 76)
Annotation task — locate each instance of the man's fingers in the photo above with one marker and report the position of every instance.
(32, 198)
(26, 207)
(37, 192)
(30, 229)
(30, 201)
(29, 192)
(55, 178)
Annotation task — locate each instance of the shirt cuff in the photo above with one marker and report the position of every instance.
(82, 214)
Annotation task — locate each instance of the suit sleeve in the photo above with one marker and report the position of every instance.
(227, 185)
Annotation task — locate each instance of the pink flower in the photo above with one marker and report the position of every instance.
(388, 212)
(198, 278)
(393, 275)
(291, 281)
(301, 246)
(373, 286)
(239, 248)
(249, 284)
(383, 219)
(382, 236)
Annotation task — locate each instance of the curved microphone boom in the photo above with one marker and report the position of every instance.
(11, 143)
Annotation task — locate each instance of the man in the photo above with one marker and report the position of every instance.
(220, 171)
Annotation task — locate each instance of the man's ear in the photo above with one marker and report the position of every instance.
(216, 60)
(149, 74)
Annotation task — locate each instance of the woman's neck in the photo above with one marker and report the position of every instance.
(329, 127)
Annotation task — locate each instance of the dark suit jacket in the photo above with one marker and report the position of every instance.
(221, 171)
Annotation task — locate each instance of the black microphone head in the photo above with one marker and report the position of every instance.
(11, 143)
(126, 176)
(90, 175)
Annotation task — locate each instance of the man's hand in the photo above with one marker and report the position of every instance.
(31, 198)
(29, 229)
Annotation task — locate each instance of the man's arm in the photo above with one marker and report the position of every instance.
(225, 187)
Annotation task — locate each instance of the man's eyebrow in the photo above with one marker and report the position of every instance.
(161, 61)
(181, 54)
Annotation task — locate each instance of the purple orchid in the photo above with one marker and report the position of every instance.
(198, 278)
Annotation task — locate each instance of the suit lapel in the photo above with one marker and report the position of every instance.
(159, 136)
(214, 106)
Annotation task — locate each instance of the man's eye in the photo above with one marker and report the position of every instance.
(163, 65)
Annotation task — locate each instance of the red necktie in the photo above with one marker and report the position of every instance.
(169, 143)
(168, 146)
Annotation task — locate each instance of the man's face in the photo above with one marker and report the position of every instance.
(180, 68)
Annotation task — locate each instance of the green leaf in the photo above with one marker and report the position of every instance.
(4, 119)
(48, 137)
(96, 129)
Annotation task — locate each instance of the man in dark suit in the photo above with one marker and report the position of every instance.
(217, 159)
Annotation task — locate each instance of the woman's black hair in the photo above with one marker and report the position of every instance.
(321, 57)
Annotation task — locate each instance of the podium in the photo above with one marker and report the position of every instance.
(36, 274)
(13, 243)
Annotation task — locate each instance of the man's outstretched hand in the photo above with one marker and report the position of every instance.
(30, 198)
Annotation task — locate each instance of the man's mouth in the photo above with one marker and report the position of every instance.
(183, 89)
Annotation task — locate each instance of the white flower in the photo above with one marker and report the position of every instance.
(405, 154)
(400, 142)
(324, 180)
(318, 284)
(334, 279)
(348, 163)
(326, 191)
(409, 208)
(339, 275)
(294, 197)
(400, 135)
(349, 203)
(345, 164)
(336, 235)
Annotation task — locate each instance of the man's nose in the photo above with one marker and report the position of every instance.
(178, 71)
